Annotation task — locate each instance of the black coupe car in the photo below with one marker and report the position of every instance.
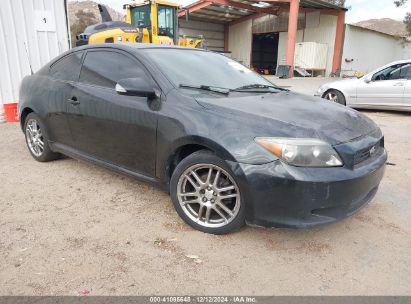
(230, 147)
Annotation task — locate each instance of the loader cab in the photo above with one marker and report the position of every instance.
(157, 18)
(166, 16)
(140, 16)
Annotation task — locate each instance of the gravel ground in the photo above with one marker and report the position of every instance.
(69, 227)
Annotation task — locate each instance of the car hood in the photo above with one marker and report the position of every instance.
(293, 113)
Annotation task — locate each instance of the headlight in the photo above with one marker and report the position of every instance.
(301, 152)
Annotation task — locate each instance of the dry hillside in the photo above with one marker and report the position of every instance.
(91, 7)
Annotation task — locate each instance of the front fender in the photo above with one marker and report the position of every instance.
(167, 157)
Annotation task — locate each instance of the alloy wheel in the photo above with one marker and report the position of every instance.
(331, 97)
(208, 195)
(34, 137)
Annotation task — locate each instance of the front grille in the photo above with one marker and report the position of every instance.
(356, 153)
(364, 154)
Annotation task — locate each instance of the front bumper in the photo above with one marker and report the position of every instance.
(279, 195)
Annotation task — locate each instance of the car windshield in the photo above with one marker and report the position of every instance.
(193, 68)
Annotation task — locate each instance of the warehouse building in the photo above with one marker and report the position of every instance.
(264, 35)
(32, 32)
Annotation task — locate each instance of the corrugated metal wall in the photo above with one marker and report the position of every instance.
(239, 42)
(361, 43)
(311, 55)
(274, 23)
(323, 33)
(212, 32)
(38, 26)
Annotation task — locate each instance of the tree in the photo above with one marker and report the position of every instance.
(84, 19)
(407, 20)
(400, 2)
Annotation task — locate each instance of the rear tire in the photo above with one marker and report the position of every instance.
(37, 139)
(206, 195)
(335, 96)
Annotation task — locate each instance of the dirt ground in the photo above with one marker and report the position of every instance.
(69, 228)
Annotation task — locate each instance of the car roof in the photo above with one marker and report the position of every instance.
(390, 64)
(400, 61)
(132, 46)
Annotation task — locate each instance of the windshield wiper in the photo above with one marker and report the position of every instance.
(257, 86)
(206, 88)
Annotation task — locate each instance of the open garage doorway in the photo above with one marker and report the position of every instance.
(265, 52)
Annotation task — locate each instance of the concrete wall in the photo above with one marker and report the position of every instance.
(370, 50)
(38, 27)
(213, 33)
(239, 42)
(323, 32)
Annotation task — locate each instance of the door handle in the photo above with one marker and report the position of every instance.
(73, 100)
(399, 84)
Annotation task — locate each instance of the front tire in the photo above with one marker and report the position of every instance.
(335, 96)
(206, 195)
(37, 139)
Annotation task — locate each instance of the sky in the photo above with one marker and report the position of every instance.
(360, 9)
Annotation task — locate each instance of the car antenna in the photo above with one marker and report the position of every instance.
(28, 58)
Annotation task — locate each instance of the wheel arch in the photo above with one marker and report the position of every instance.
(336, 90)
(329, 90)
(24, 113)
(188, 146)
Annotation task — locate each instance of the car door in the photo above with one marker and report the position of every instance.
(407, 90)
(117, 129)
(385, 88)
(62, 76)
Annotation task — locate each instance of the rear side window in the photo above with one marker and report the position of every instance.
(106, 68)
(406, 72)
(400, 73)
(67, 68)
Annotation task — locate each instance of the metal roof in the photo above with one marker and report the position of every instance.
(320, 4)
(226, 11)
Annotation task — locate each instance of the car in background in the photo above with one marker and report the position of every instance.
(228, 146)
(387, 88)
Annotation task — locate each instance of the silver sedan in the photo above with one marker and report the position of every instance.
(387, 88)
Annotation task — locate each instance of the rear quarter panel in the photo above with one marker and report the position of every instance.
(47, 98)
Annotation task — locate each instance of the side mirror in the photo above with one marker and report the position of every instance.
(368, 78)
(135, 87)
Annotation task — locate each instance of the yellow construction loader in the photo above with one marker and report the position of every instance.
(154, 21)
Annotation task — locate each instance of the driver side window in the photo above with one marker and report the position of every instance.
(104, 68)
(394, 72)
